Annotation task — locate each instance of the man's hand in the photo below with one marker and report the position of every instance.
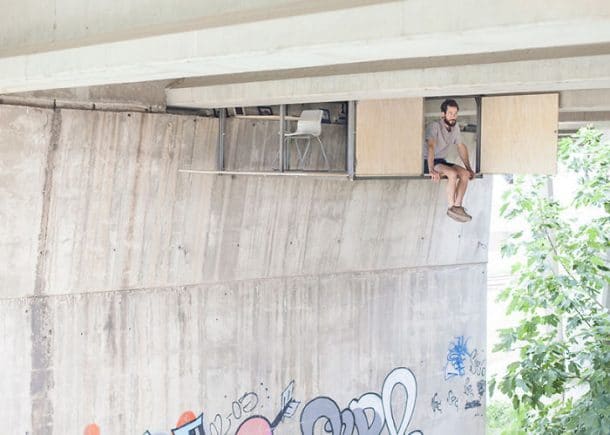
(471, 172)
(436, 176)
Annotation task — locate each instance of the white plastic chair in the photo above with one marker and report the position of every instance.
(309, 125)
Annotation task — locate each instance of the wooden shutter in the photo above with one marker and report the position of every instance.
(389, 137)
(519, 134)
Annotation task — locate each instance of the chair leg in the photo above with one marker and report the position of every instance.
(302, 160)
(324, 154)
(287, 154)
(299, 155)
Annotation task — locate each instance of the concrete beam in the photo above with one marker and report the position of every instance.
(31, 27)
(507, 77)
(589, 100)
(141, 97)
(585, 105)
(383, 31)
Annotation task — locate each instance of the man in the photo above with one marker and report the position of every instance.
(441, 135)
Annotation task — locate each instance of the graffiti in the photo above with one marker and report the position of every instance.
(477, 365)
(436, 404)
(468, 388)
(187, 424)
(452, 399)
(370, 401)
(472, 404)
(92, 429)
(458, 352)
(194, 427)
(221, 425)
(343, 422)
(481, 387)
(370, 414)
(185, 418)
(259, 425)
(463, 361)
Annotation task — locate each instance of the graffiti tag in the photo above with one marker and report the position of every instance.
(343, 422)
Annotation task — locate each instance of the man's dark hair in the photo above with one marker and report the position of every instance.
(449, 103)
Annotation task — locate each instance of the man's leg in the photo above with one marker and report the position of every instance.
(452, 177)
(454, 210)
(463, 177)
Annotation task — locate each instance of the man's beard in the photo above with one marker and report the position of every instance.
(449, 123)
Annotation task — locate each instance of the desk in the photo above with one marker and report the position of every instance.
(266, 117)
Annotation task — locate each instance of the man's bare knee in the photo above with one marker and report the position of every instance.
(451, 174)
(464, 176)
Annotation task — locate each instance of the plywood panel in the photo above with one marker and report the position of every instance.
(389, 135)
(519, 134)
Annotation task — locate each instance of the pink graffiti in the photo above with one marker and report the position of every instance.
(255, 426)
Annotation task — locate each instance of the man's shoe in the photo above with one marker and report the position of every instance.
(462, 211)
(458, 214)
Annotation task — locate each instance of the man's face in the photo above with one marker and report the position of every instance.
(450, 116)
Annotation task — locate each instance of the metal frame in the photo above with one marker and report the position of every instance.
(282, 150)
(313, 174)
(220, 163)
(477, 166)
(401, 177)
(351, 139)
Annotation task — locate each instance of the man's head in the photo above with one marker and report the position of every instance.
(449, 111)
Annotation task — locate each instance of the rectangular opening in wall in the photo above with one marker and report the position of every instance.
(315, 138)
(467, 122)
(250, 141)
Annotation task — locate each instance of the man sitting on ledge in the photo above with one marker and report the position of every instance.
(440, 136)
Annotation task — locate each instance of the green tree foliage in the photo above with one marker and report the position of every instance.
(561, 381)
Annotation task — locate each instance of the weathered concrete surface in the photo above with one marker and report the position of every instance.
(135, 360)
(16, 346)
(33, 27)
(145, 291)
(324, 36)
(120, 215)
(24, 144)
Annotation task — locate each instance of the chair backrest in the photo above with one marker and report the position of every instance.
(310, 122)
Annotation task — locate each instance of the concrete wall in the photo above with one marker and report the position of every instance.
(132, 292)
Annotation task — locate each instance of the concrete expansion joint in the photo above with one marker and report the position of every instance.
(182, 287)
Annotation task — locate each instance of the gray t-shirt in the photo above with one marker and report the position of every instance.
(444, 139)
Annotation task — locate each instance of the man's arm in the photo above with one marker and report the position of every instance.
(435, 175)
(463, 152)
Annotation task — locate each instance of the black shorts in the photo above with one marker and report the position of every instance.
(436, 162)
